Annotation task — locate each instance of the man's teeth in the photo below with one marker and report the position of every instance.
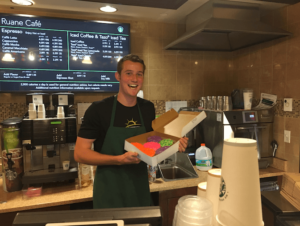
(132, 86)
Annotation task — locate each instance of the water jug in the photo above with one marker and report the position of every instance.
(203, 158)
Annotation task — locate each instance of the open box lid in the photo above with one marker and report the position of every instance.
(175, 124)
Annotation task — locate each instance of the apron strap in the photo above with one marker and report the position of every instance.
(141, 117)
(112, 119)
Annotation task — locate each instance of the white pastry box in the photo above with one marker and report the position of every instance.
(170, 125)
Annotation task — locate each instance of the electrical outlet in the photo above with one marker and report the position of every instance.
(288, 104)
(287, 136)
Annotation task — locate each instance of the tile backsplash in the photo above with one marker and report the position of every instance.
(18, 110)
(8, 110)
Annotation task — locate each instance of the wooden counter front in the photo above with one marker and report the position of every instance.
(50, 198)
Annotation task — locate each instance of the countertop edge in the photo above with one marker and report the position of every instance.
(15, 200)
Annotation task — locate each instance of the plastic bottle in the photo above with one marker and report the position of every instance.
(203, 158)
(84, 175)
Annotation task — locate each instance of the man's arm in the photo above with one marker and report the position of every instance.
(84, 154)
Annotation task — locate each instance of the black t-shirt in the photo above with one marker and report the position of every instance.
(97, 118)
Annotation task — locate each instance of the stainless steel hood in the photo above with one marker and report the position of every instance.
(225, 26)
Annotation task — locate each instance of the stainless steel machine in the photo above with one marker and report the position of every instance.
(47, 142)
(220, 125)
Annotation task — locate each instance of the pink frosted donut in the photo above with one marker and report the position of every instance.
(152, 145)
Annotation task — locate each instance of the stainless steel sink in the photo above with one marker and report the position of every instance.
(178, 167)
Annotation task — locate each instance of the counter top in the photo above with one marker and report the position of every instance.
(62, 196)
(270, 172)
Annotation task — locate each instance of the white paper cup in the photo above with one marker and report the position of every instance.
(60, 115)
(201, 191)
(32, 114)
(32, 107)
(41, 114)
(41, 107)
(60, 109)
(247, 94)
(240, 197)
(213, 189)
(66, 165)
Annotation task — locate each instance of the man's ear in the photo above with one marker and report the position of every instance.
(117, 76)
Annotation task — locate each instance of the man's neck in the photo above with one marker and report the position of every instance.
(128, 102)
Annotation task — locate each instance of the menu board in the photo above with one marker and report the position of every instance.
(50, 55)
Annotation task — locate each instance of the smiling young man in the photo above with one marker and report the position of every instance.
(121, 179)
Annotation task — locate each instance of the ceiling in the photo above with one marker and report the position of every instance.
(127, 11)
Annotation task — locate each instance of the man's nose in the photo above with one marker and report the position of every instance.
(134, 77)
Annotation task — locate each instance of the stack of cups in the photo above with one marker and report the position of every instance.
(214, 102)
(220, 103)
(247, 94)
(60, 112)
(201, 191)
(32, 111)
(213, 190)
(41, 111)
(209, 103)
(201, 103)
(240, 197)
(193, 210)
(204, 100)
(227, 103)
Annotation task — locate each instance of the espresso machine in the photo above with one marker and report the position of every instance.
(48, 142)
(221, 125)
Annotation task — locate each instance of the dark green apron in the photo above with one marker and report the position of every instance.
(125, 185)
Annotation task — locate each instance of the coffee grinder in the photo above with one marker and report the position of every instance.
(48, 142)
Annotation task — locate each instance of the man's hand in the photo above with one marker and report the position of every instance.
(129, 158)
(183, 142)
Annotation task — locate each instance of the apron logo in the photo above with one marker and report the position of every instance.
(223, 192)
(132, 124)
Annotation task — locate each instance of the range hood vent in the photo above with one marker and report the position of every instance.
(225, 26)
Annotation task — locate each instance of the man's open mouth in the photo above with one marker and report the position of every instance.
(133, 86)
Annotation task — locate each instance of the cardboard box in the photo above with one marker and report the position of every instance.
(170, 125)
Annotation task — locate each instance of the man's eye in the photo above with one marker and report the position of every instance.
(140, 74)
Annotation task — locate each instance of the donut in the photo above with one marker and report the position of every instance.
(149, 151)
(160, 150)
(166, 142)
(152, 145)
(154, 139)
(138, 145)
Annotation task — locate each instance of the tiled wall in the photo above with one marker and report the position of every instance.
(274, 68)
(186, 75)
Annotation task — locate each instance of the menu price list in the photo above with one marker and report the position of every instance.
(36, 49)
(57, 81)
(62, 50)
(95, 51)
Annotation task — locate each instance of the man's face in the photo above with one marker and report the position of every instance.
(131, 78)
